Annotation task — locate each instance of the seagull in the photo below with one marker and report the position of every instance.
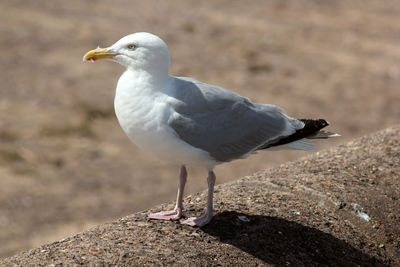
(188, 122)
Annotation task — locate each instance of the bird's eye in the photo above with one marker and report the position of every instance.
(131, 46)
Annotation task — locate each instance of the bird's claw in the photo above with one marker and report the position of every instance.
(170, 215)
(198, 221)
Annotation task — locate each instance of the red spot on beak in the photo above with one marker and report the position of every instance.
(92, 59)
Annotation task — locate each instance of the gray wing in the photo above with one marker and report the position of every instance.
(223, 123)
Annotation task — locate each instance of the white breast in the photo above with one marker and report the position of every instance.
(143, 115)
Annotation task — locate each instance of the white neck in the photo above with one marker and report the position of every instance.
(143, 81)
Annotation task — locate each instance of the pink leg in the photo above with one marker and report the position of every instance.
(176, 213)
(207, 216)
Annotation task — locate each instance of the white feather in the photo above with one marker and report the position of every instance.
(302, 144)
(323, 135)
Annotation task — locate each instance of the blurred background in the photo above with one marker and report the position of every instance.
(65, 164)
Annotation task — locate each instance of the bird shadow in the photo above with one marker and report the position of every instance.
(281, 242)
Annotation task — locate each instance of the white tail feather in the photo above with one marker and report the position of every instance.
(323, 135)
(301, 144)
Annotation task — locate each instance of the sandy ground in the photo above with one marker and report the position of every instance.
(65, 164)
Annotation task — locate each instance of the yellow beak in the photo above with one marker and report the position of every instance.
(99, 53)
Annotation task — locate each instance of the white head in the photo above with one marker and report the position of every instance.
(137, 51)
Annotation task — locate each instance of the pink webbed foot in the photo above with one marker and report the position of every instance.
(198, 221)
(170, 215)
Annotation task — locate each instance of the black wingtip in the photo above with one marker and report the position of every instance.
(314, 125)
(310, 128)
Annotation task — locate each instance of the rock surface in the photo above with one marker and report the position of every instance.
(338, 207)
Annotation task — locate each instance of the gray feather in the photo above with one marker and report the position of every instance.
(223, 123)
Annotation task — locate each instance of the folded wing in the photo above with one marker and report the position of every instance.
(225, 124)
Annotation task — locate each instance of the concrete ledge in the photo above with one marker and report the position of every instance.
(339, 207)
